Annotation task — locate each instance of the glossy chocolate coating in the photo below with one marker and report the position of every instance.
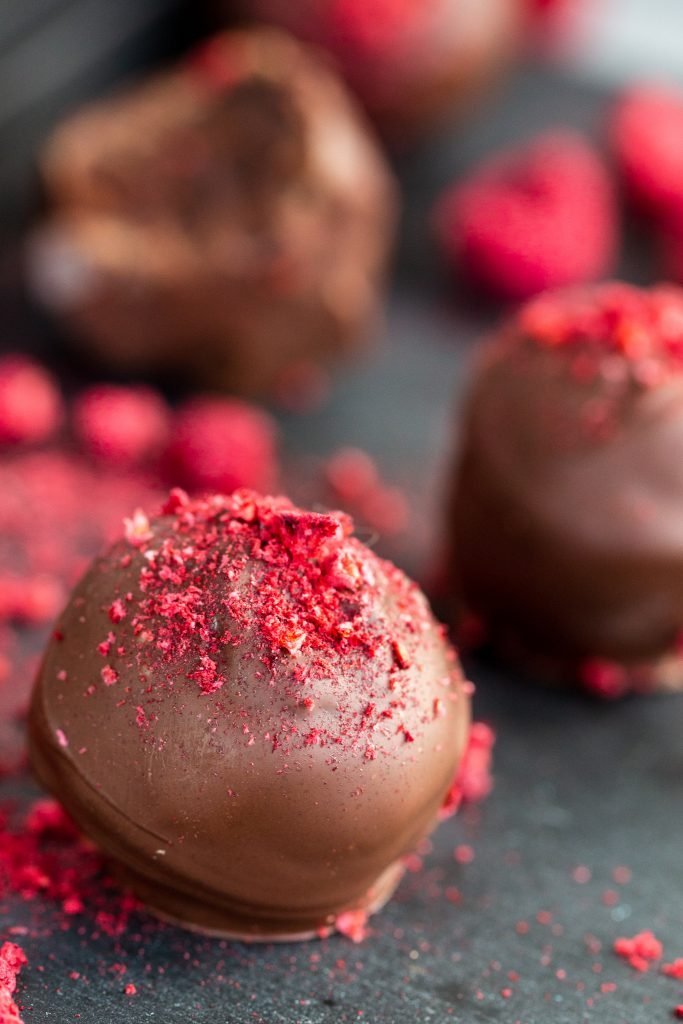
(231, 217)
(431, 62)
(278, 787)
(567, 510)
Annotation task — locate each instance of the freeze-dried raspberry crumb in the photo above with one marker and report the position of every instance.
(353, 924)
(221, 444)
(121, 426)
(640, 951)
(647, 138)
(537, 217)
(12, 959)
(130, 989)
(473, 781)
(354, 480)
(678, 1012)
(641, 328)
(604, 679)
(354, 29)
(30, 403)
(674, 969)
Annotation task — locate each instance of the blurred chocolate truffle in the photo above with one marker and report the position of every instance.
(254, 716)
(567, 510)
(231, 217)
(412, 62)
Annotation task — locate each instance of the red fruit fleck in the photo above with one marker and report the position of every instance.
(473, 781)
(674, 969)
(603, 679)
(353, 924)
(121, 426)
(533, 218)
(221, 444)
(30, 402)
(647, 138)
(639, 951)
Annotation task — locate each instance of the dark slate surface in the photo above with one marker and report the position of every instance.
(577, 783)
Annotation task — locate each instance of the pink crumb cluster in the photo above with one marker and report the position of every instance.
(640, 951)
(646, 132)
(647, 138)
(539, 216)
(12, 959)
(642, 327)
(220, 444)
(31, 408)
(474, 781)
(354, 480)
(121, 426)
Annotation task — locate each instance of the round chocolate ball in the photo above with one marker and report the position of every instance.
(253, 715)
(412, 62)
(567, 510)
(231, 217)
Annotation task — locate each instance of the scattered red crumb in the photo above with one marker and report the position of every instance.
(647, 138)
(610, 898)
(473, 781)
(356, 31)
(130, 989)
(603, 679)
(622, 875)
(12, 959)
(639, 951)
(220, 444)
(678, 1012)
(30, 403)
(674, 969)
(354, 480)
(121, 426)
(643, 327)
(463, 854)
(538, 217)
(582, 874)
(353, 924)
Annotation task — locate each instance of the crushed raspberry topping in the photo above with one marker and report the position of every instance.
(473, 781)
(357, 27)
(12, 959)
(240, 586)
(643, 327)
(640, 951)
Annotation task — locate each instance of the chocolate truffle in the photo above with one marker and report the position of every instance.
(230, 217)
(412, 62)
(253, 715)
(567, 511)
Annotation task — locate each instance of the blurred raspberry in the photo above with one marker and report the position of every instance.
(647, 138)
(220, 444)
(532, 218)
(122, 426)
(30, 403)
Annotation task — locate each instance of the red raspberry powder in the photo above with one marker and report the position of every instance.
(639, 951)
(643, 328)
(12, 959)
(30, 402)
(121, 426)
(312, 588)
(647, 138)
(537, 217)
(220, 444)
